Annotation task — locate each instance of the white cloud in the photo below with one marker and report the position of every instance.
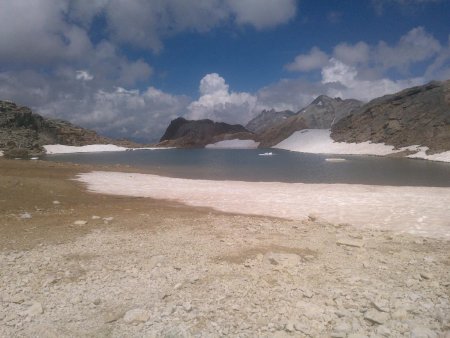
(352, 54)
(83, 75)
(219, 104)
(346, 84)
(263, 13)
(417, 45)
(315, 59)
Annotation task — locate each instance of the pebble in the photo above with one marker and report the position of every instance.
(350, 243)
(80, 222)
(25, 215)
(425, 275)
(422, 332)
(376, 317)
(136, 316)
(35, 309)
(187, 307)
(95, 217)
(56, 202)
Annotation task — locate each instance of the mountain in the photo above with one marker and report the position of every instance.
(322, 113)
(23, 132)
(267, 119)
(197, 134)
(414, 116)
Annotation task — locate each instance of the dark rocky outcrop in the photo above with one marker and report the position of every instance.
(197, 134)
(414, 116)
(322, 113)
(22, 131)
(267, 119)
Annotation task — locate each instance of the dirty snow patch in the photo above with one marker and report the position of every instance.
(416, 210)
(92, 148)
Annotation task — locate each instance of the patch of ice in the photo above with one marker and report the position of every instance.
(319, 141)
(400, 209)
(335, 160)
(234, 144)
(92, 148)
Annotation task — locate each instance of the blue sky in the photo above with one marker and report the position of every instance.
(126, 68)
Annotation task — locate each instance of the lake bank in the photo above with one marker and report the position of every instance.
(159, 268)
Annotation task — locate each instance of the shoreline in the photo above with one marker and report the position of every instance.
(156, 268)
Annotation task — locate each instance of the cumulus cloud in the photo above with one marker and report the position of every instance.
(145, 23)
(345, 83)
(219, 104)
(315, 59)
(352, 54)
(417, 45)
(263, 13)
(83, 75)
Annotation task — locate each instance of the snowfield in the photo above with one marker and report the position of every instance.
(234, 144)
(415, 210)
(319, 141)
(92, 148)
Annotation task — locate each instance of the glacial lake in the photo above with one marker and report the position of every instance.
(282, 166)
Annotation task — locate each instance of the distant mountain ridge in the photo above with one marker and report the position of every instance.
(321, 113)
(184, 133)
(414, 116)
(21, 129)
(267, 119)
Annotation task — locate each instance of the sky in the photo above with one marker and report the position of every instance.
(126, 68)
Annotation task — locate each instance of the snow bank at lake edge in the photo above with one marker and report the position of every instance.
(53, 149)
(415, 210)
(319, 141)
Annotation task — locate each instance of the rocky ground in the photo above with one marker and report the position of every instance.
(79, 264)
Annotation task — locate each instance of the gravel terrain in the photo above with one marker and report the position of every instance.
(77, 264)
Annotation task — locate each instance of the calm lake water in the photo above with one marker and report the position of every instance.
(283, 166)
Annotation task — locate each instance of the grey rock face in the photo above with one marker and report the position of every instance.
(267, 119)
(322, 113)
(414, 116)
(23, 133)
(197, 134)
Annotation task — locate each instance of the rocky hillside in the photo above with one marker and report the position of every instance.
(322, 113)
(184, 133)
(415, 116)
(267, 119)
(22, 132)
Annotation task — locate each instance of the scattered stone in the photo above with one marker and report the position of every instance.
(113, 316)
(383, 331)
(106, 220)
(25, 215)
(187, 306)
(400, 314)
(95, 217)
(422, 332)
(289, 327)
(56, 202)
(381, 305)
(136, 316)
(35, 309)
(80, 222)
(177, 286)
(376, 317)
(425, 275)
(350, 242)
